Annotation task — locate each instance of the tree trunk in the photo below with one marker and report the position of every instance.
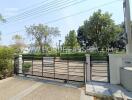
(45, 38)
(41, 47)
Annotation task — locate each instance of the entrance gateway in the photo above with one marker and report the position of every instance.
(52, 68)
(64, 69)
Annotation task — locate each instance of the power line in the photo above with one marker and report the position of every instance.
(34, 9)
(31, 6)
(75, 14)
(42, 12)
(54, 9)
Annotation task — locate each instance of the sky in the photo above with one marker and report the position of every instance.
(11, 8)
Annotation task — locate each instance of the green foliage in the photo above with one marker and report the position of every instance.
(73, 56)
(39, 56)
(26, 66)
(42, 34)
(84, 41)
(99, 55)
(17, 37)
(121, 39)
(82, 56)
(6, 67)
(19, 44)
(100, 29)
(71, 40)
(2, 19)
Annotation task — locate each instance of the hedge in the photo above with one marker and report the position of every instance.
(37, 56)
(68, 56)
(73, 56)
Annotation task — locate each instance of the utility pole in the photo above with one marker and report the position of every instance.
(127, 19)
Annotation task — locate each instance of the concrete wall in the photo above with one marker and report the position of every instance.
(20, 64)
(87, 68)
(127, 61)
(126, 78)
(115, 62)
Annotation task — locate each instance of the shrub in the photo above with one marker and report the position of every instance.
(6, 66)
(69, 56)
(73, 56)
(82, 56)
(26, 67)
(37, 56)
(99, 55)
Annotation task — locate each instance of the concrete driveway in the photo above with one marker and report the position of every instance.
(18, 88)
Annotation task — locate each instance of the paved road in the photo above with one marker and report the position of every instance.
(17, 88)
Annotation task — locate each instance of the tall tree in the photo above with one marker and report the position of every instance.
(121, 38)
(42, 33)
(83, 41)
(1, 20)
(71, 40)
(19, 44)
(101, 29)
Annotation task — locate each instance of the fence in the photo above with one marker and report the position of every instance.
(95, 68)
(53, 68)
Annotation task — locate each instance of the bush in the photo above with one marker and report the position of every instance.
(6, 66)
(26, 67)
(37, 56)
(69, 56)
(73, 56)
(98, 55)
(82, 56)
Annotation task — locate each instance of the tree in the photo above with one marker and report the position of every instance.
(83, 41)
(1, 20)
(71, 40)
(42, 33)
(19, 43)
(100, 29)
(121, 38)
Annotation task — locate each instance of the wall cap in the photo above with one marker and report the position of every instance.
(87, 55)
(114, 55)
(20, 55)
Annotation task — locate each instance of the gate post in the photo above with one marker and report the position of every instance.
(87, 69)
(20, 64)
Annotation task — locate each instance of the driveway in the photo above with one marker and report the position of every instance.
(18, 88)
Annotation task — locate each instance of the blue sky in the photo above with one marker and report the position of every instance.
(10, 8)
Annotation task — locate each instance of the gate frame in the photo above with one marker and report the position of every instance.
(108, 70)
(21, 61)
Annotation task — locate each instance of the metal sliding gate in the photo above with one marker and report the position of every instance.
(55, 68)
(99, 68)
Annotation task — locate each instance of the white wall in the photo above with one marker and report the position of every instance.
(87, 68)
(115, 62)
(20, 64)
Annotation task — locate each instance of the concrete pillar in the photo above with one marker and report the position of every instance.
(115, 62)
(20, 64)
(87, 68)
